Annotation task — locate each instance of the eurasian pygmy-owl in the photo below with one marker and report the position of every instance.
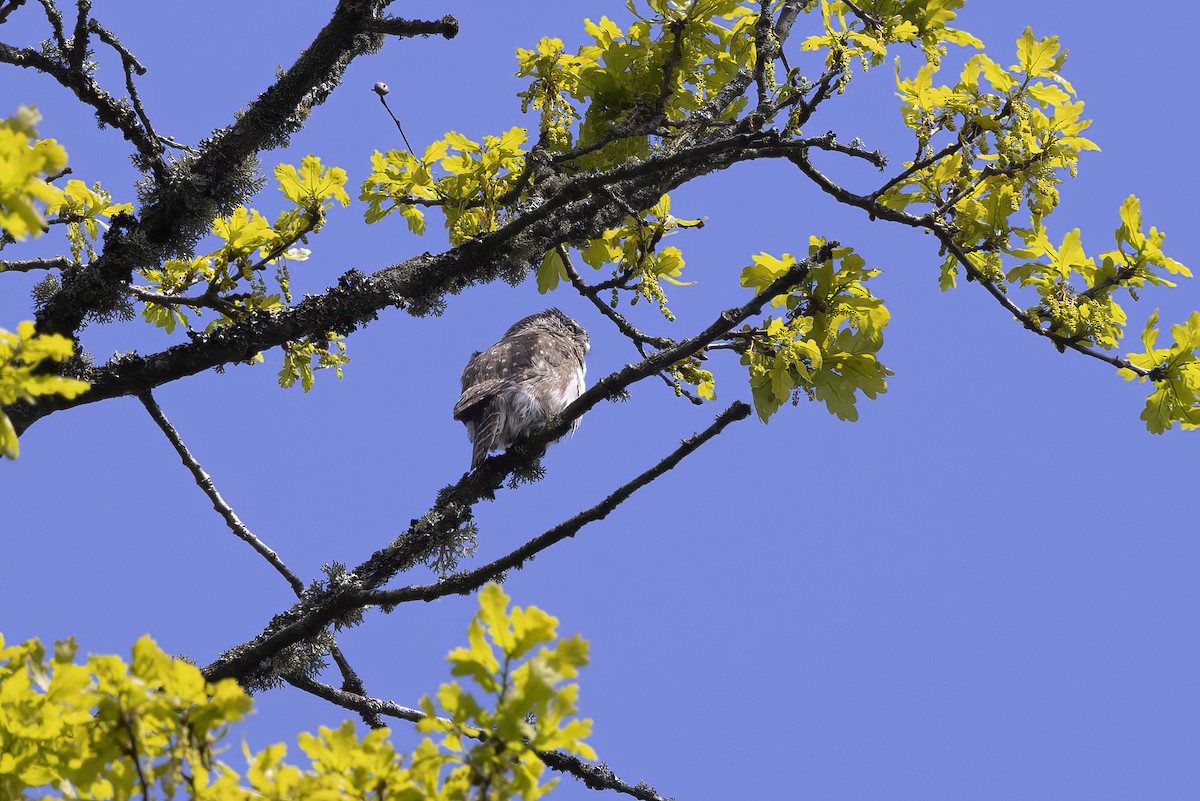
(533, 372)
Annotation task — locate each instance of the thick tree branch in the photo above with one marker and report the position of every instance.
(30, 265)
(180, 210)
(595, 777)
(464, 583)
(446, 27)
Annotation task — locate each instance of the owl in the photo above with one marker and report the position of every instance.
(533, 372)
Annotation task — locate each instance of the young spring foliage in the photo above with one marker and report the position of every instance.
(1018, 135)
(233, 276)
(473, 183)
(826, 344)
(24, 374)
(639, 265)
(153, 729)
(25, 164)
(1015, 134)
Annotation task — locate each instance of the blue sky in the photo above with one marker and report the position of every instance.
(985, 588)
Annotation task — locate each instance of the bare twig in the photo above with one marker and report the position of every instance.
(383, 100)
(639, 339)
(619, 320)
(107, 109)
(56, 25)
(205, 483)
(131, 65)
(169, 142)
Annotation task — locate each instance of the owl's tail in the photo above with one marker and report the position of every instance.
(488, 426)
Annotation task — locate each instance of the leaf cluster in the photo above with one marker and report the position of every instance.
(24, 374)
(153, 728)
(472, 182)
(25, 164)
(826, 346)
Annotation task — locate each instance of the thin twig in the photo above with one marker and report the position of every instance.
(130, 65)
(383, 100)
(85, 88)
(639, 339)
(170, 142)
(205, 482)
(619, 320)
(135, 753)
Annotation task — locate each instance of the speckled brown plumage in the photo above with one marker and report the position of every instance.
(533, 372)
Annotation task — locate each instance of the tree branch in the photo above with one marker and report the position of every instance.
(464, 583)
(623, 325)
(8, 7)
(29, 265)
(945, 235)
(108, 110)
(205, 483)
(595, 777)
(130, 65)
(56, 24)
(249, 662)
(446, 27)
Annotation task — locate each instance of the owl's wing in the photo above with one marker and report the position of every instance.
(491, 370)
(476, 394)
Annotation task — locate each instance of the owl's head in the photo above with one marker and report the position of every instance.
(554, 322)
